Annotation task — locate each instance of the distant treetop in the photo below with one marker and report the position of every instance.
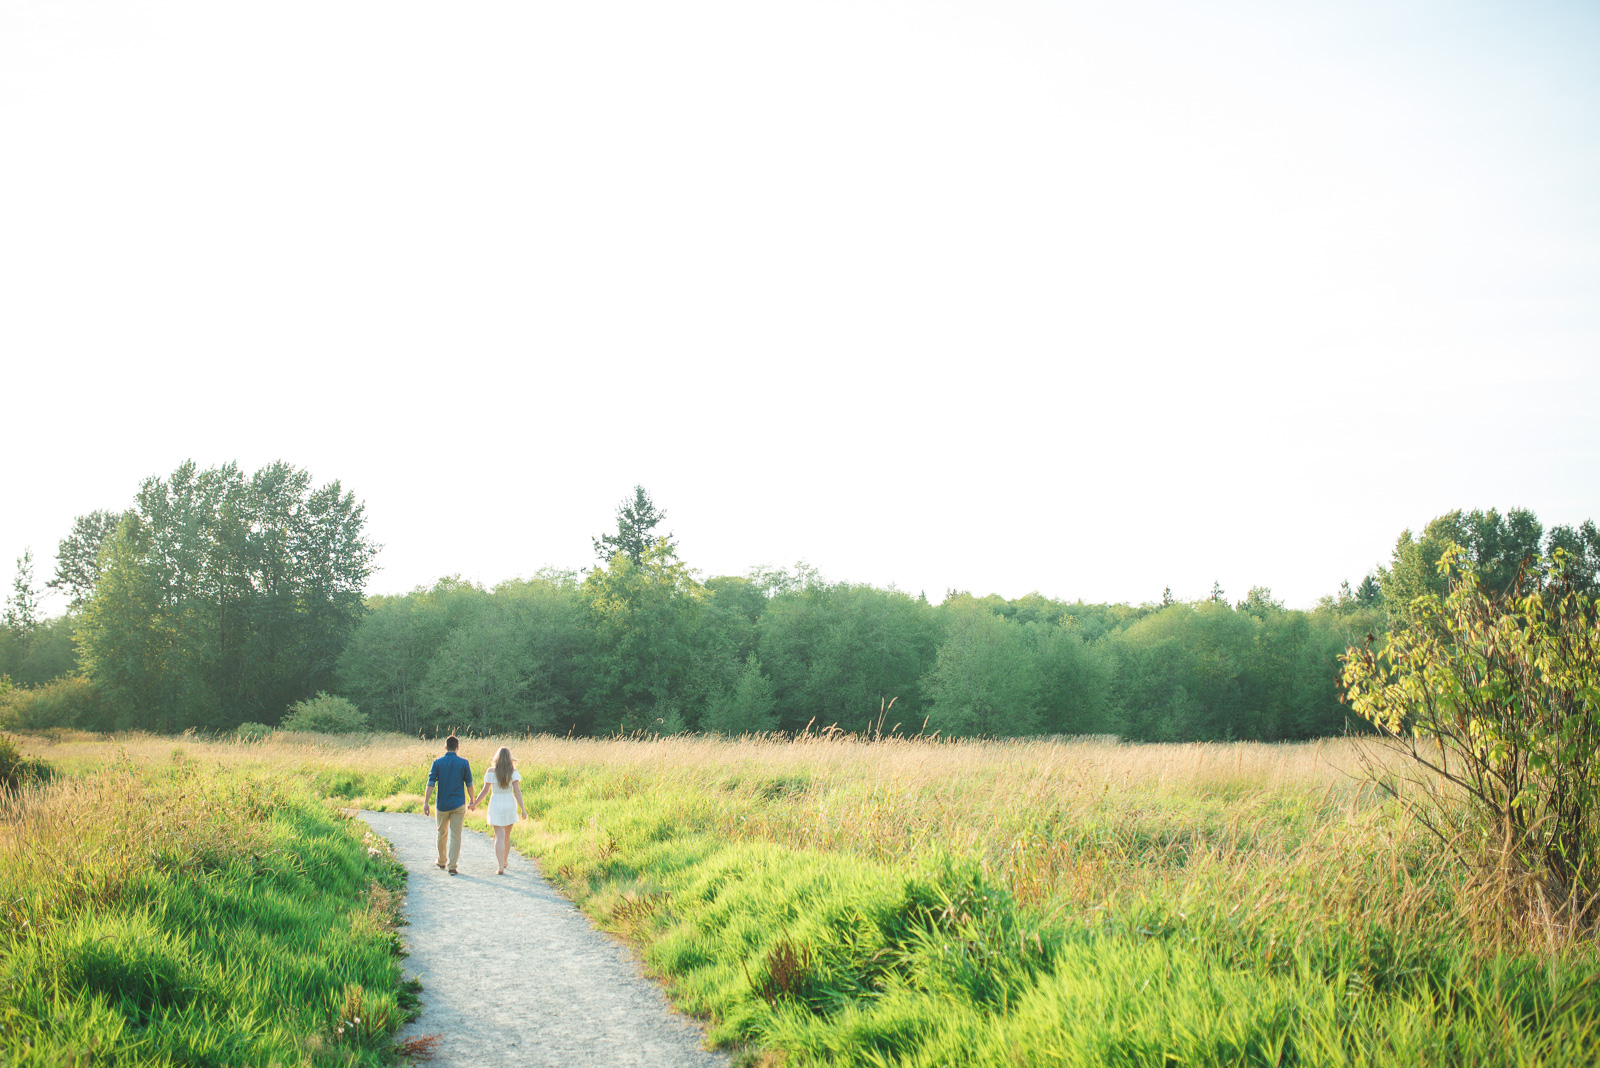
(635, 521)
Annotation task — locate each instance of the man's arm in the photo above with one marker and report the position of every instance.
(466, 778)
(433, 777)
(427, 797)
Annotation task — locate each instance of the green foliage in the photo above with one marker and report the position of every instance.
(71, 702)
(510, 666)
(47, 650)
(636, 522)
(639, 647)
(223, 597)
(645, 618)
(457, 657)
(22, 607)
(385, 664)
(1579, 548)
(325, 714)
(748, 708)
(642, 644)
(1074, 679)
(1496, 546)
(252, 732)
(837, 652)
(1179, 671)
(17, 769)
(1497, 697)
(986, 676)
(1203, 671)
(78, 555)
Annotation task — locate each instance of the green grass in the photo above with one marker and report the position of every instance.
(190, 915)
(839, 903)
(840, 957)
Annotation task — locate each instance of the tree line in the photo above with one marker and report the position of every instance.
(216, 598)
(221, 598)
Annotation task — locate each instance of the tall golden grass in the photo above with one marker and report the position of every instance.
(1293, 836)
(1066, 901)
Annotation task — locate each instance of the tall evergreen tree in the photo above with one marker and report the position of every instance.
(22, 607)
(636, 523)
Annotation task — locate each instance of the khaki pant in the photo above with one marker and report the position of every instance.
(450, 823)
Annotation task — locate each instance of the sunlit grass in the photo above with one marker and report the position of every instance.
(163, 907)
(1073, 902)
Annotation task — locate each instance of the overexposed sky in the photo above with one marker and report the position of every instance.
(1088, 298)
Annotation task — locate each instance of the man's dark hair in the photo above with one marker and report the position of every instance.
(452, 743)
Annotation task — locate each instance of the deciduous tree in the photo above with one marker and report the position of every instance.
(78, 555)
(223, 598)
(748, 707)
(1494, 698)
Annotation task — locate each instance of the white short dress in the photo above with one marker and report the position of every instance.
(502, 802)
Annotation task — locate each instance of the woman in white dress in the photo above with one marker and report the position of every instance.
(503, 782)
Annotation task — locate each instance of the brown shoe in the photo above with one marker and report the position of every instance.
(452, 871)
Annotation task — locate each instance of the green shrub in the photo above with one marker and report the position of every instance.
(325, 714)
(72, 702)
(16, 769)
(251, 732)
(1492, 704)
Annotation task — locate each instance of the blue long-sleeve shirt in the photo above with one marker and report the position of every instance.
(453, 775)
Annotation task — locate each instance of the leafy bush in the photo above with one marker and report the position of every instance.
(16, 769)
(67, 702)
(1494, 702)
(325, 714)
(251, 732)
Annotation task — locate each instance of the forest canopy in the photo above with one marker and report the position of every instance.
(220, 598)
(217, 598)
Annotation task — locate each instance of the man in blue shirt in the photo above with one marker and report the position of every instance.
(453, 776)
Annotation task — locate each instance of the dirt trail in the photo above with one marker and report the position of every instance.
(512, 973)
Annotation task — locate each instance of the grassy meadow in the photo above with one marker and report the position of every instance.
(825, 900)
(163, 904)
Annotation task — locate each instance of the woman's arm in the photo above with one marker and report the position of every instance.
(516, 788)
(481, 792)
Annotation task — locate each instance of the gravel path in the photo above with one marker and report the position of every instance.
(512, 973)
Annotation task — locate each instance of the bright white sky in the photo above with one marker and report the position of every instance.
(1091, 298)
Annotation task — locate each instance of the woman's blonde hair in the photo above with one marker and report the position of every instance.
(502, 767)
